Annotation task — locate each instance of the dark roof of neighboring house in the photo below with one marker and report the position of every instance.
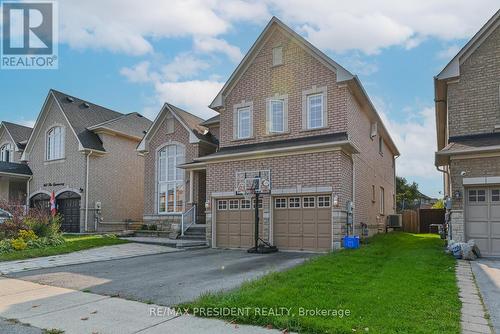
(332, 137)
(133, 124)
(20, 133)
(83, 115)
(212, 120)
(471, 142)
(195, 124)
(14, 168)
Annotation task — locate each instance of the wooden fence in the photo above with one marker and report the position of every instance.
(418, 221)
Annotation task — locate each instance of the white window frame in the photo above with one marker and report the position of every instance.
(495, 195)
(234, 204)
(7, 152)
(324, 201)
(283, 99)
(382, 201)
(296, 200)
(253, 203)
(54, 143)
(381, 145)
(308, 202)
(246, 204)
(221, 204)
(306, 96)
(280, 203)
(241, 111)
(178, 178)
(170, 123)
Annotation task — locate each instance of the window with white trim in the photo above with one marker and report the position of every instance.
(382, 201)
(277, 116)
(294, 202)
(495, 195)
(260, 203)
(244, 122)
(315, 111)
(280, 203)
(308, 202)
(234, 204)
(380, 145)
(6, 153)
(170, 123)
(222, 204)
(277, 56)
(170, 179)
(246, 204)
(324, 201)
(477, 195)
(55, 143)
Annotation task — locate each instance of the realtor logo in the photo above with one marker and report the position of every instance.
(29, 35)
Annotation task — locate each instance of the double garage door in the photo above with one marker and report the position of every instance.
(483, 219)
(298, 223)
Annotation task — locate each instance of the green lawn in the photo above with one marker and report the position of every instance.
(398, 283)
(73, 243)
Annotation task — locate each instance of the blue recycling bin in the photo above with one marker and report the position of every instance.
(351, 242)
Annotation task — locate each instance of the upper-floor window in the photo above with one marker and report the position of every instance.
(55, 143)
(380, 145)
(382, 201)
(277, 56)
(170, 179)
(315, 105)
(244, 123)
(170, 123)
(277, 116)
(6, 153)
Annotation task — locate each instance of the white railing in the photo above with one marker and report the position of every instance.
(188, 218)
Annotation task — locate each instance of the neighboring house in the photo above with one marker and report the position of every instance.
(175, 137)
(289, 111)
(14, 175)
(468, 137)
(86, 155)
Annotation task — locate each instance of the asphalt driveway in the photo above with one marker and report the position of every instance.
(487, 273)
(166, 279)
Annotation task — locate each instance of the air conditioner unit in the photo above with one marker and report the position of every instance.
(373, 130)
(395, 221)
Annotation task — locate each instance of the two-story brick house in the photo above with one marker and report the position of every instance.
(468, 138)
(86, 154)
(14, 174)
(291, 112)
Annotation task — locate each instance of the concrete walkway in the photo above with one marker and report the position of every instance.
(487, 274)
(473, 318)
(73, 311)
(85, 256)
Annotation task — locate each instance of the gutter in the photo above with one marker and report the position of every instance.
(28, 193)
(87, 191)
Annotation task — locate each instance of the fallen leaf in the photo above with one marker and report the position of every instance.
(93, 312)
(84, 318)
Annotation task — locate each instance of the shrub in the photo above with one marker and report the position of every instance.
(27, 235)
(153, 227)
(44, 225)
(5, 246)
(18, 244)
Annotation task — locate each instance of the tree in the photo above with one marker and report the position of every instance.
(439, 204)
(406, 193)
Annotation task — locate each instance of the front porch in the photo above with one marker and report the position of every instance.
(14, 179)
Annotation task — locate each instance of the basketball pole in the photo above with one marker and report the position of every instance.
(256, 220)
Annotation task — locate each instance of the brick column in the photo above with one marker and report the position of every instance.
(208, 220)
(457, 225)
(339, 219)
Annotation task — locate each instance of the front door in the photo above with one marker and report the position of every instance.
(68, 206)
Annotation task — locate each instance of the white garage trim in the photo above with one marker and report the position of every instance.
(481, 180)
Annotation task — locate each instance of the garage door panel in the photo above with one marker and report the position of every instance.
(495, 246)
(478, 229)
(309, 229)
(478, 212)
(495, 212)
(295, 242)
(234, 227)
(324, 228)
(324, 215)
(324, 243)
(294, 228)
(309, 243)
(495, 230)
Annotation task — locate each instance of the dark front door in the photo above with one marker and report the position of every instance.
(68, 206)
(40, 202)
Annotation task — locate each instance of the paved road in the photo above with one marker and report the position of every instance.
(166, 279)
(487, 273)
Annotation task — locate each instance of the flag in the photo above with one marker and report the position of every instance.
(53, 209)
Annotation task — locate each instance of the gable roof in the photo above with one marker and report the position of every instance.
(19, 133)
(342, 73)
(190, 122)
(451, 71)
(15, 169)
(212, 121)
(130, 125)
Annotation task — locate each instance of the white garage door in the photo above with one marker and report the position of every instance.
(483, 219)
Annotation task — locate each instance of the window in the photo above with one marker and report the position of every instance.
(373, 193)
(245, 204)
(495, 195)
(380, 145)
(323, 201)
(170, 179)
(276, 116)
(6, 153)
(315, 111)
(55, 143)
(277, 56)
(477, 195)
(308, 202)
(260, 203)
(280, 203)
(382, 201)
(294, 202)
(170, 123)
(221, 205)
(234, 204)
(244, 123)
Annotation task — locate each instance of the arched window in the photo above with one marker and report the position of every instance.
(170, 179)
(7, 153)
(55, 143)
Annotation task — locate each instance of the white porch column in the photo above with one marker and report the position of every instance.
(191, 186)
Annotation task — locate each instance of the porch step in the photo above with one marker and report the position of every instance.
(184, 244)
(194, 232)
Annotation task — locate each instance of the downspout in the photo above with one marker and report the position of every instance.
(87, 191)
(444, 171)
(28, 193)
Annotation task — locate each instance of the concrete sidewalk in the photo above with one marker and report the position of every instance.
(487, 274)
(73, 311)
(104, 253)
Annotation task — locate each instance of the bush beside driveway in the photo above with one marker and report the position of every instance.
(398, 283)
